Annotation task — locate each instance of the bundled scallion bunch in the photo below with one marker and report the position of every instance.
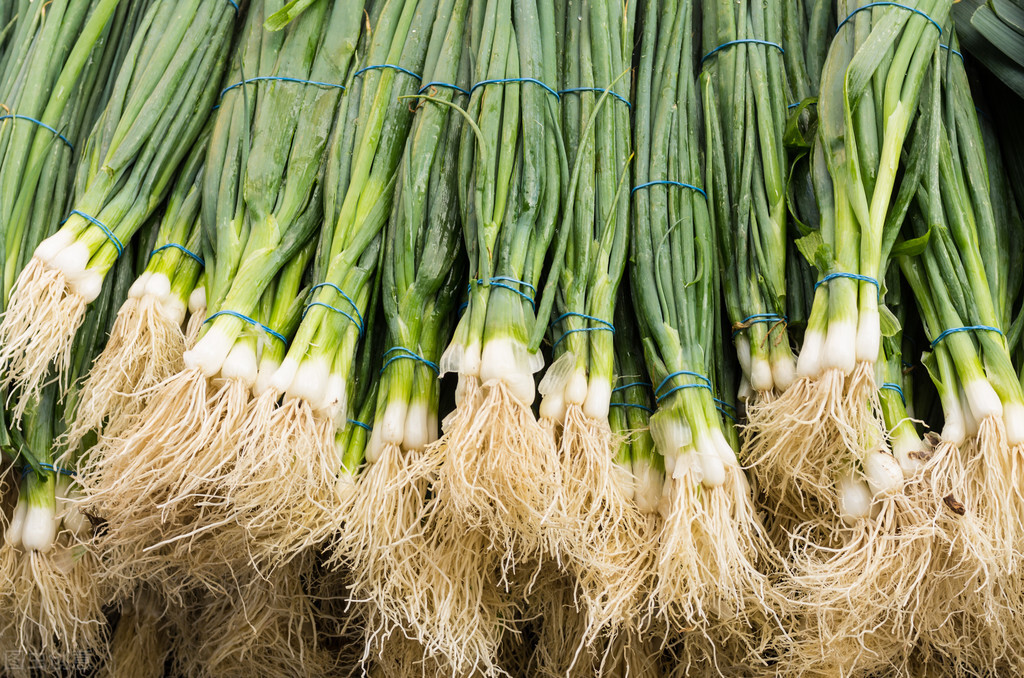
(151, 118)
(711, 540)
(744, 73)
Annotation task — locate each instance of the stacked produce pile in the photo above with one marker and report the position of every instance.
(511, 337)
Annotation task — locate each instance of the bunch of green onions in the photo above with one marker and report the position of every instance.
(420, 269)
(744, 72)
(495, 469)
(870, 87)
(148, 338)
(155, 111)
(710, 536)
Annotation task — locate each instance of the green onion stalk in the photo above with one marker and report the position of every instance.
(710, 539)
(748, 191)
(495, 469)
(577, 387)
(808, 28)
(52, 596)
(351, 442)
(156, 110)
(961, 279)
(148, 339)
(420, 270)
(870, 87)
(296, 441)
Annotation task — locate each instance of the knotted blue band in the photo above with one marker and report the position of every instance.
(173, 245)
(889, 4)
(365, 427)
(438, 83)
(630, 385)
(724, 408)
(118, 245)
(357, 321)
(669, 183)
(953, 51)
(597, 90)
(56, 470)
(852, 276)
(759, 318)
(402, 353)
(603, 326)
(752, 41)
(279, 78)
(703, 382)
(500, 280)
(255, 323)
(505, 81)
(968, 328)
(15, 116)
(383, 66)
(889, 386)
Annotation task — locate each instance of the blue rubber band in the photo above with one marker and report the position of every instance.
(669, 183)
(280, 78)
(56, 470)
(703, 383)
(336, 310)
(852, 276)
(15, 116)
(406, 354)
(173, 245)
(256, 324)
(968, 328)
(498, 281)
(365, 427)
(794, 105)
(503, 81)
(438, 83)
(753, 41)
(358, 323)
(118, 245)
(634, 405)
(889, 386)
(760, 318)
(382, 66)
(953, 51)
(604, 326)
(889, 4)
(599, 90)
(725, 413)
(235, 5)
(722, 403)
(630, 385)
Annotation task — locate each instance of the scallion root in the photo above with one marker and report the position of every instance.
(51, 603)
(37, 332)
(282, 488)
(497, 468)
(145, 348)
